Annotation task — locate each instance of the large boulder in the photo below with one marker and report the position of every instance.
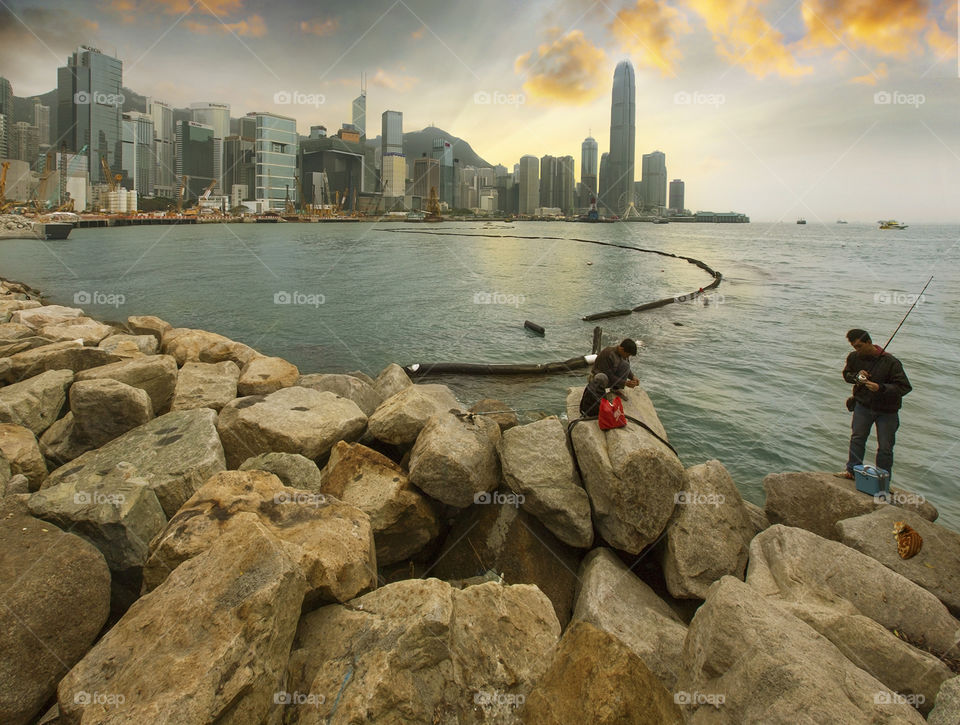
(148, 325)
(346, 386)
(817, 501)
(71, 355)
(500, 537)
(595, 678)
(291, 420)
(35, 403)
(36, 316)
(391, 380)
(105, 409)
(614, 599)
(403, 520)
(205, 385)
(747, 660)
(401, 417)
(330, 542)
(420, 651)
(12, 347)
(19, 447)
(130, 345)
(89, 331)
(209, 645)
(709, 535)
(936, 568)
(265, 375)
(117, 512)
(187, 345)
(631, 477)
(455, 460)
(174, 453)
(60, 443)
(900, 666)
(947, 710)
(9, 306)
(797, 565)
(292, 469)
(537, 465)
(55, 596)
(156, 374)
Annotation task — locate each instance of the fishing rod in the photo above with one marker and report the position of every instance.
(919, 296)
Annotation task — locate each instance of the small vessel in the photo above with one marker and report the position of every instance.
(801, 221)
(891, 224)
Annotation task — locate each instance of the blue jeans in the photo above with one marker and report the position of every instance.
(863, 420)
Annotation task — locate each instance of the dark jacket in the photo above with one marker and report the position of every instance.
(885, 370)
(613, 366)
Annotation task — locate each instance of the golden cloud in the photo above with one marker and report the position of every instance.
(870, 79)
(252, 27)
(564, 70)
(392, 81)
(320, 27)
(944, 42)
(648, 30)
(888, 27)
(745, 38)
(179, 7)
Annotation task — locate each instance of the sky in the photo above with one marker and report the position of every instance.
(824, 109)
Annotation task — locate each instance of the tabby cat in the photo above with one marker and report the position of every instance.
(908, 540)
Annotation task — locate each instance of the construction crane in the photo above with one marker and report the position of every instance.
(304, 207)
(184, 180)
(107, 174)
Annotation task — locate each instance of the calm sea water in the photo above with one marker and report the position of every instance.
(752, 379)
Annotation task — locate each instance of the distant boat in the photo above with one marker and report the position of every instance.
(661, 220)
(801, 221)
(840, 221)
(891, 224)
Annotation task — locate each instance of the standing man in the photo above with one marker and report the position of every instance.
(879, 385)
(613, 362)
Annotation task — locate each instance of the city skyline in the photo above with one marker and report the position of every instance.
(823, 113)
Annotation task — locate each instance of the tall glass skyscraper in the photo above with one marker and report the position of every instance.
(89, 108)
(276, 159)
(655, 180)
(217, 116)
(588, 170)
(618, 194)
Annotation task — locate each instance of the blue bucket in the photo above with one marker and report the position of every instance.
(872, 480)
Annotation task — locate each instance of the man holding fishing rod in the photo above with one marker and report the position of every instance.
(879, 385)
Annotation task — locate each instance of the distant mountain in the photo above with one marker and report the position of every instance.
(418, 143)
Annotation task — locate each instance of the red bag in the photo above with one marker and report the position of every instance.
(611, 414)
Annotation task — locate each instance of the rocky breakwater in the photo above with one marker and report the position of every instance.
(194, 532)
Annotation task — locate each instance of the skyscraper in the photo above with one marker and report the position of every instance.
(276, 158)
(41, 119)
(138, 156)
(426, 174)
(677, 200)
(23, 144)
(359, 117)
(655, 180)
(6, 98)
(443, 152)
(194, 158)
(393, 164)
(617, 195)
(588, 169)
(565, 184)
(529, 183)
(165, 182)
(89, 105)
(217, 116)
(604, 177)
(548, 182)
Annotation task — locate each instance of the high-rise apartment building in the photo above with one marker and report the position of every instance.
(217, 116)
(164, 148)
(677, 200)
(138, 156)
(529, 182)
(89, 107)
(548, 181)
(41, 119)
(565, 184)
(426, 175)
(655, 180)
(23, 143)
